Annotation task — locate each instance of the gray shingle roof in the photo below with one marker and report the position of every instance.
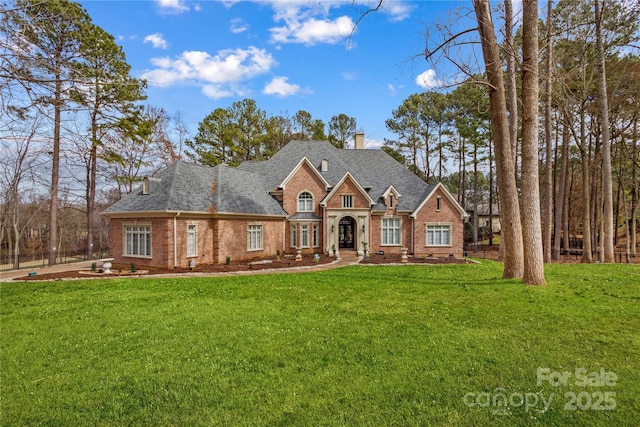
(374, 170)
(186, 187)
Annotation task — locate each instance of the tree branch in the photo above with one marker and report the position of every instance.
(429, 54)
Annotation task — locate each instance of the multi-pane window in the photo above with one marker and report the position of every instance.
(390, 231)
(305, 202)
(438, 235)
(347, 201)
(192, 240)
(294, 236)
(137, 239)
(315, 235)
(254, 237)
(304, 235)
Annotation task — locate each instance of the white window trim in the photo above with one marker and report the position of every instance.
(249, 232)
(382, 228)
(442, 225)
(315, 230)
(294, 236)
(195, 241)
(306, 201)
(304, 229)
(125, 251)
(344, 199)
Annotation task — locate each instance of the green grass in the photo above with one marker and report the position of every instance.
(353, 346)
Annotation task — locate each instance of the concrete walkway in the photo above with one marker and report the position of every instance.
(345, 259)
(13, 274)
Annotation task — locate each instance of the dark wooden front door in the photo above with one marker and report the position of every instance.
(346, 231)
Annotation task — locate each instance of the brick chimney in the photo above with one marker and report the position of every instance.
(359, 142)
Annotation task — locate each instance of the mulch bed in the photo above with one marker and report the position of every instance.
(377, 259)
(288, 261)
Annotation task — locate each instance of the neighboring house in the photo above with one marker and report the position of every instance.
(310, 196)
(486, 217)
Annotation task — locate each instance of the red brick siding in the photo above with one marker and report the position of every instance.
(160, 233)
(348, 187)
(375, 244)
(303, 180)
(232, 238)
(447, 214)
(217, 239)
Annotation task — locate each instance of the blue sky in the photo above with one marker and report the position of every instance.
(286, 55)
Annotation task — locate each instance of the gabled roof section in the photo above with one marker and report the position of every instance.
(277, 169)
(389, 190)
(303, 162)
(337, 186)
(443, 188)
(187, 187)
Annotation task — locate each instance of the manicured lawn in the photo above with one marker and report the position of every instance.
(408, 345)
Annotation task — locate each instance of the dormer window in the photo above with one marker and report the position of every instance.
(305, 202)
(145, 186)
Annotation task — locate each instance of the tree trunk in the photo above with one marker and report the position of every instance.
(475, 198)
(490, 196)
(505, 167)
(55, 166)
(586, 193)
(635, 190)
(91, 179)
(607, 184)
(548, 183)
(530, 203)
(512, 97)
(560, 206)
(566, 205)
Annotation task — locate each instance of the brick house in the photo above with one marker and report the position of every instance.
(310, 196)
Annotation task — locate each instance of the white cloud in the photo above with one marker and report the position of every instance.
(238, 26)
(218, 75)
(428, 80)
(312, 31)
(279, 86)
(216, 91)
(172, 6)
(397, 10)
(157, 40)
(393, 89)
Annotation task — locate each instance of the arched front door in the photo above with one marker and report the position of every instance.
(346, 232)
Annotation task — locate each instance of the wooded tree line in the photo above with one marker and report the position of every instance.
(75, 134)
(70, 109)
(70, 118)
(574, 73)
(245, 132)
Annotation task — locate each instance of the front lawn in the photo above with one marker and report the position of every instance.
(361, 345)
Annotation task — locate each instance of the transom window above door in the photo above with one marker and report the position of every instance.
(305, 202)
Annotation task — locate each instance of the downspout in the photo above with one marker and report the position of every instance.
(325, 235)
(175, 240)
